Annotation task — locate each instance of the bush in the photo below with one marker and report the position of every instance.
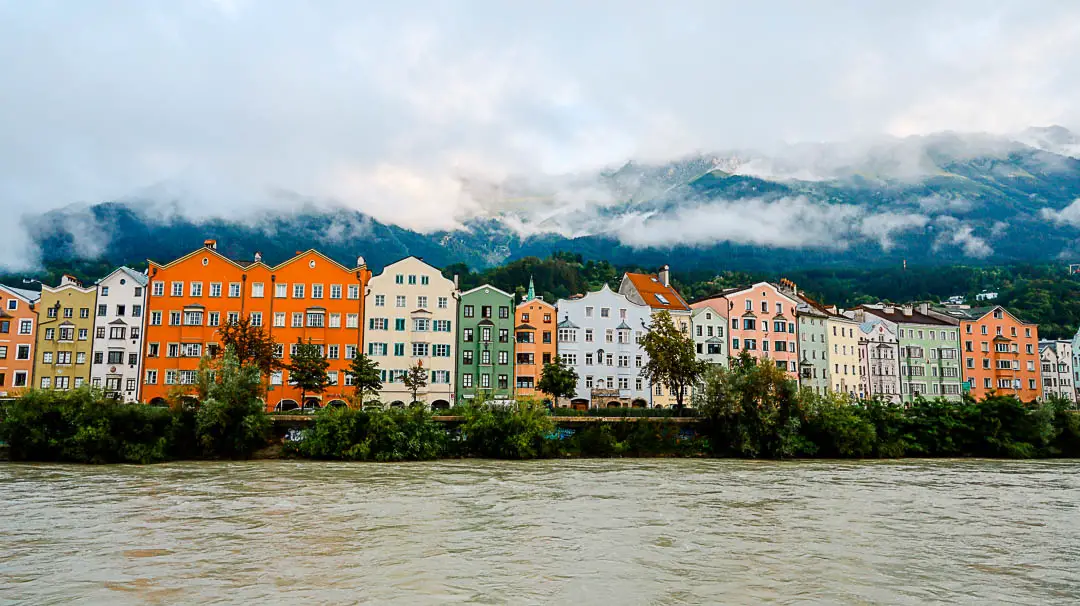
(232, 420)
(82, 426)
(382, 435)
(514, 431)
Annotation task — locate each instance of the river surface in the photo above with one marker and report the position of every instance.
(553, 532)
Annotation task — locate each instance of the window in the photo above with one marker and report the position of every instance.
(380, 300)
(376, 349)
(421, 302)
(335, 320)
(485, 334)
(316, 291)
(504, 382)
(467, 335)
(485, 357)
(485, 311)
(102, 310)
(605, 312)
(399, 323)
(352, 320)
(749, 324)
(441, 325)
(400, 301)
(297, 320)
(443, 302)
(485, 380)
(26, 326)
(354, 291)
(115, 357)
(421, 324)
(504, 357)
(279, 319)
(316, 319)
(504, 335)
(5, 326)
(22, 352)
(504, 312)
(468, 311)
(335, 291)
(441, 350)
(466, 379)
(117, 332)
(234, 290)
(419, 350)
(177, 289)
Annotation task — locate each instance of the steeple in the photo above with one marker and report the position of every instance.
(529, 296)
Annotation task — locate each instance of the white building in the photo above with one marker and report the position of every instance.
(599, 337)
(118, 334)
(709, 339)
(1056, 358)
(411, 317)
(879, 359)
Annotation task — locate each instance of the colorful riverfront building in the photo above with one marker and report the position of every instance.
(655, 291)
(118, 326)
(308, 298)
(1000, 352)
(534, 341)
(485, 360)
(64, 335)
(762, 323)
(929, 353)
(412, 319)
(18, 334)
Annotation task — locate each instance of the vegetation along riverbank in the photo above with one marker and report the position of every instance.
(750, 410)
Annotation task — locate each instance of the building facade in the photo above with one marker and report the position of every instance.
(18, 339)
(412, 319)
(812, 332)
(599, 336)
(879, 359)
(761, 322)
(535, 345)
(65, 335)
(485, 358)
(118, 331)
(842, 336)
(1000, 351)
(709, 332)
(655, 291)
(1057, 369)
(308, 298)
(929, 351)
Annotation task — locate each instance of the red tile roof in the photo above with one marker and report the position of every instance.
(655, 294)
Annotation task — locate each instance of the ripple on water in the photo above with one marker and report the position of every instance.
(582, 531)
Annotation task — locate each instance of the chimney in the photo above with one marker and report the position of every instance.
(907, 310)
(860, 316)
(258, 257)
(456, 282)
(665, 275)
(924, 308)
(211, 244)
(69, 279)
(889, 309)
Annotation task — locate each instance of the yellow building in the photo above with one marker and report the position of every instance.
(842, 338)
(65, 335)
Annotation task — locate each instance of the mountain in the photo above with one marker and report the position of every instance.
(937, 199)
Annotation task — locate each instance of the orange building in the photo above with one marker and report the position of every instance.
(535, 334)
(308, 297)
(1000, 351)
(18, 332)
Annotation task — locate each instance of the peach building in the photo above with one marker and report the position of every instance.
(18, 332)
(309, 297)
(761, 322)
(1000, 352)
(534, 329)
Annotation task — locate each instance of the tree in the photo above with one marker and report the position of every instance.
(308, 369)
(232, 421)
(415, 379)
(365, 374)
(672, 359)
(252, 345)
(558, 380)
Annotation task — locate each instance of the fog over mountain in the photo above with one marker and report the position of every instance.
(709, 132)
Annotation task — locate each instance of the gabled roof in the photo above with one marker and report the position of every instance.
(566, 323)
(655, 294)
(974, 314)
(623, 326)
(524, 327)
(490, 287)
(140, 278)
(247, 266)
(30, 296)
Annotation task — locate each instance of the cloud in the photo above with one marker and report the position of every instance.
(1070, 215)
(954, 232)
(422, 114)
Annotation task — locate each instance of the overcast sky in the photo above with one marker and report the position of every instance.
(387, 106)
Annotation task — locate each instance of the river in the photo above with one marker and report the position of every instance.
(562, 532)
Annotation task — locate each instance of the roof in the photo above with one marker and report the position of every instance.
(566, 323)
(898, 316)
(489, 287)
(251, 264)
(29, 295)
(973, 314)
(655, 294)
(140, 278)
(623, 326)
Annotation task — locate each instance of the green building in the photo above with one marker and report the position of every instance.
(485, 344)
(929, 351)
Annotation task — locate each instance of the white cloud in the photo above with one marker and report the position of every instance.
(954, 232)
(1070, 215)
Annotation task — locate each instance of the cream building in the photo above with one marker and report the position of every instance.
(411, 315)
(842, 337)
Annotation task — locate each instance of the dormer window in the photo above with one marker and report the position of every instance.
(662, 299)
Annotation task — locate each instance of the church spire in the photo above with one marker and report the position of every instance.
(532, 290)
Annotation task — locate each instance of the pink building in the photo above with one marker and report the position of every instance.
(762, 322)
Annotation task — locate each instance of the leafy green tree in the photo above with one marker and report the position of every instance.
(252, 344)
(672, 360)
(232, 421)
(308, 369)
(415, 379)
(558, 380)
(365, 374)
(753, 410)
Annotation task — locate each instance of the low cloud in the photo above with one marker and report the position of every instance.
(954, 232)
(1070, 215)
